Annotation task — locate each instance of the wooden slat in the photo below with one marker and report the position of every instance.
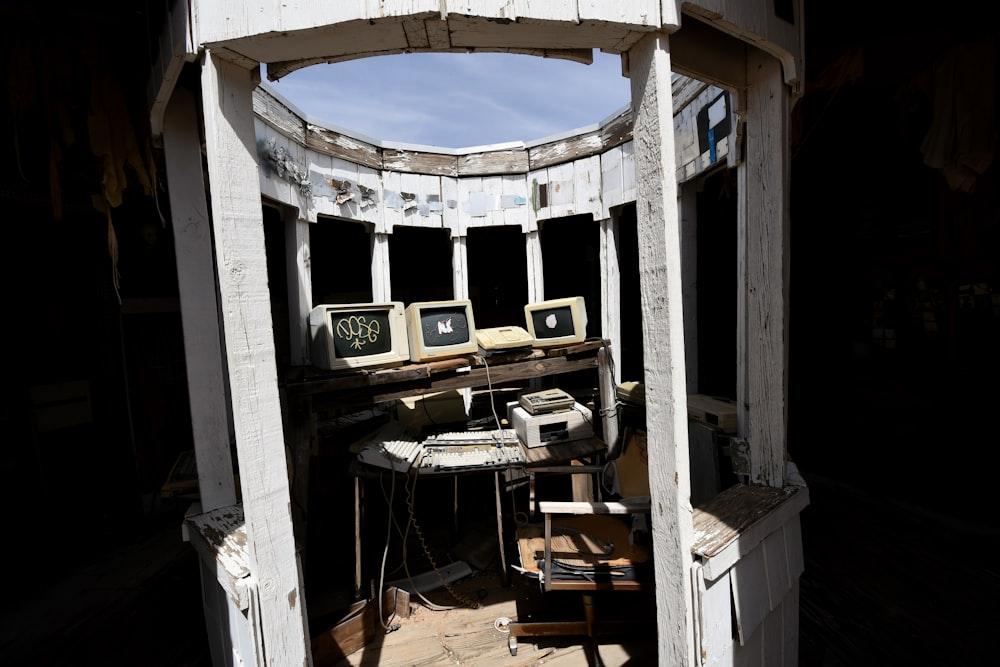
(714, 620)
(750, 593)
(626, 506)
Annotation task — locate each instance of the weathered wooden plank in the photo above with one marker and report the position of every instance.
(480, 33)
(750, 593)
(587, 186)
(685, 89)
(246, 313)
(421, 162)
(628, 171)
(618, 11)
(709, 55)
(438, 38)
(617, 129)
(714, 620)
(175, 49)
(738, 519)
(220, 538)
(416, 33)
(275, 182)
(514, 200)
(370, 198)
(512, 160)
(381, 274)
(392, 205)
(511, 10)
(336, 144)
(359, 626)
(449, 201)
(611, 182)
(460, 266)
(663, 343)
(561, 191)
(276, 113)
(192, 231)
(567, 149)
(298, 280)
(536, 280)
(611, 295)
(759, 24)
(767, 266)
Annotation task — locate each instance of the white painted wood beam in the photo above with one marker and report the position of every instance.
(611, 312)
(688, 207)
(199, 304)
(663, 341)
(766, 268)
(298, 281)
(246, 311)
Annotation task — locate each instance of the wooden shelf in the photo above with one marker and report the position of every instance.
(358, 388)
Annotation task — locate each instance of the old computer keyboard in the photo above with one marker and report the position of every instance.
(392, 447)
(504, 436)
(451, 458)
(470, 450)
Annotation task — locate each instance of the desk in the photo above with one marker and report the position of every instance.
(550, 458)
(311, 391)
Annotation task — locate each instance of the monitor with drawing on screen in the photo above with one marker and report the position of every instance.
(557, 321)
(355, 335)
(440, 329)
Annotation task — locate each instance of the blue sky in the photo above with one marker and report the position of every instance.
(458, 100)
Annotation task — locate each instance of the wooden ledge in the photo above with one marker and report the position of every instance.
(735, 521)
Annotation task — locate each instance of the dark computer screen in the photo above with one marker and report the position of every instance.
(444, 326)
(361, 333)
(553, 322)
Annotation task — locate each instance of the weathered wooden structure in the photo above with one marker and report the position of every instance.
(256, 146)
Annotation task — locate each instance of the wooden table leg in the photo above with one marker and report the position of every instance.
(357, 538)
(503, 558)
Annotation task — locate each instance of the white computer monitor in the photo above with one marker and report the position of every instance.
(440, 329)
(557, 321)
(357, 335)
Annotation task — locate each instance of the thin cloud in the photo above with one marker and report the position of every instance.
(459, 100)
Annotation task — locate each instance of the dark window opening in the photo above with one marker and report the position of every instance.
(717, 285)
(277, 285)
(498, 276)
(420, 266)
(340, 261)
(572, 263)
(630, 299)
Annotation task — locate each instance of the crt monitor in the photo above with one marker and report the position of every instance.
(355, 335)
(557, 321)
(440, 329)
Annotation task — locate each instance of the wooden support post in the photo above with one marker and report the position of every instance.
(765, 269)
(199, 303)
(241, 262)
(663, 340)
